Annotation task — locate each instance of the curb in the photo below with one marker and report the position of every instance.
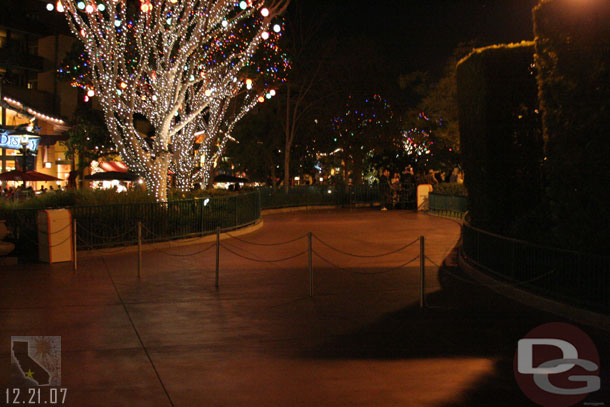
(175, 243)
(83, 254)
(579, 315)
(288, 209)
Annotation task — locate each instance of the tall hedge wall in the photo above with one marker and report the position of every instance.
(500, 133)
(573, 60)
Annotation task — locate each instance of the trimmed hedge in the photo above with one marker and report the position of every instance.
(92, 197)
(451, 188)
(500, 134)
(573, 61)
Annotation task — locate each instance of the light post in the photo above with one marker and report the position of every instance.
(24, 152)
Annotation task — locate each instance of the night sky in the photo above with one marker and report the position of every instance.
(411, 35)
(419, 35)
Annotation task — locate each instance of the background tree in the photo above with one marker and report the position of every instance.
(259, 143)
(367, 125)
(437, 112)
(88, 139)
(300, 95)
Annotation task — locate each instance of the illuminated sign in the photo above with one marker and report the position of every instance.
(13, 141)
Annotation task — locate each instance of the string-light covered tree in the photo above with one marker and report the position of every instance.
(214, 127)
(426, 144)
(367, 125)
(164, 60)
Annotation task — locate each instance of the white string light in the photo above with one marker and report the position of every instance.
(33, 112)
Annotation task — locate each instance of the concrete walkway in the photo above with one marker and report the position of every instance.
(171, 338)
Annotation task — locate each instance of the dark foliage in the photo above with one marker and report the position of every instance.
(500, 134)
(573, 60)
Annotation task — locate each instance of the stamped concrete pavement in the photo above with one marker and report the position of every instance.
(171, 338)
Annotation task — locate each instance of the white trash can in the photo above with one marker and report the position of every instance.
(55, 235)
(423, 199)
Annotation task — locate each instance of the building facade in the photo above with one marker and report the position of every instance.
(35, 106)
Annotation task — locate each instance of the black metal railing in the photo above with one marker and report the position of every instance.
(316, 195)
(109, 225)
(115, 225)
(105, 226)
(569, 276)
(448, 205)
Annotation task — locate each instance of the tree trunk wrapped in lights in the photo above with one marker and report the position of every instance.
(211, 131)
(169, 61)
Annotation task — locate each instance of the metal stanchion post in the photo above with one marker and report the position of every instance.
(310, 264)
(139, 249)
(217, 254)
(74, 248)
(201, 206)
(422, 271)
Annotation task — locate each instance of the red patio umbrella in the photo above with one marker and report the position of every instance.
(17, 175)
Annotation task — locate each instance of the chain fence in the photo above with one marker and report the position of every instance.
(167, 249)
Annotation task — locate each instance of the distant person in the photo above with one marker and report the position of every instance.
(453, 178)
(384, 189)
(72, 179)
(420, 177)
(407, 181)
(430, 178)
(396, 188)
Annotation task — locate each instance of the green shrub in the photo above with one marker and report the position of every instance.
(82, 197)
(573, 61)
(500, 134)
(451, 188)
(204, 193)
(94, 197)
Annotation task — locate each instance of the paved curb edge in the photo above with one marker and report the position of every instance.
(306, 208)
(170, 244)
(83, 254)
(578, 315)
